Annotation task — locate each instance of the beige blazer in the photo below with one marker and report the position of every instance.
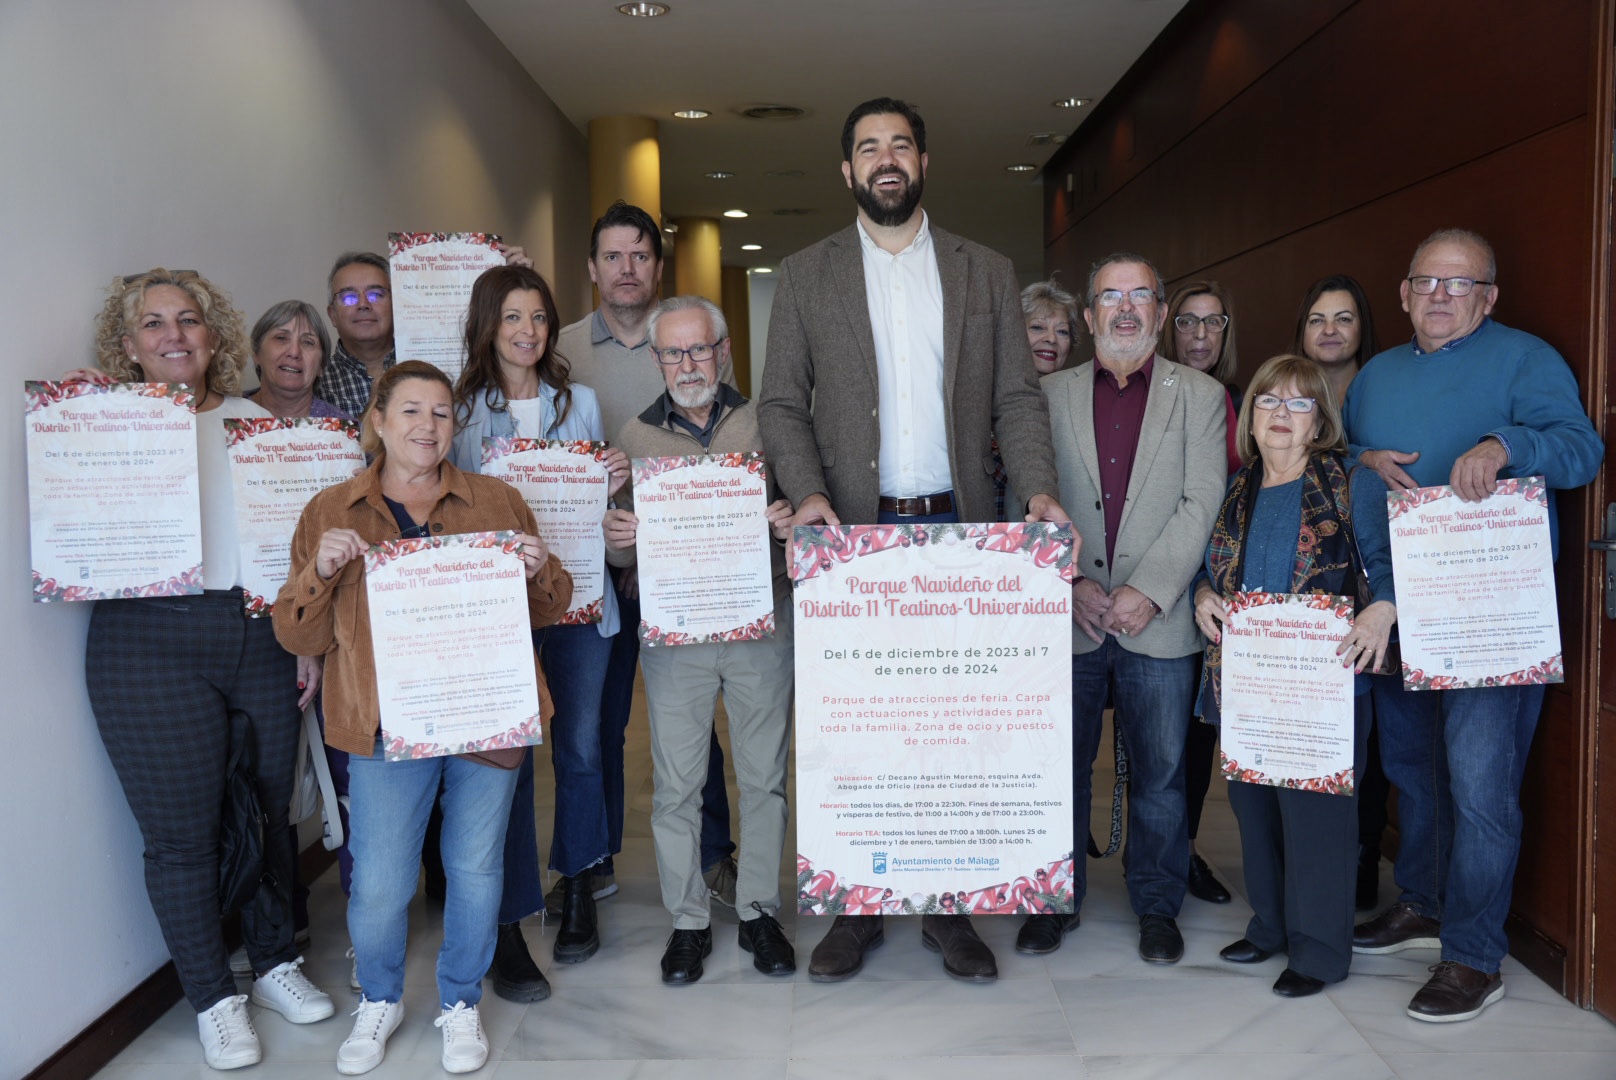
(819, 401)
(1180, 471)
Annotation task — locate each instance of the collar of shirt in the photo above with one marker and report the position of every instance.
(1455, 343)
(919, 244)
(662, 413)
(341, 356)
(600, 333)
(1138, 378)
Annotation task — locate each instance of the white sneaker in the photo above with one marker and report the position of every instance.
(353, 974)
(288, 991)
(366, 1045)
(228, 1038)
(465, 1047)
(239, 964)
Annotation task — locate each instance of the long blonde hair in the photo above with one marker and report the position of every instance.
(225, 325)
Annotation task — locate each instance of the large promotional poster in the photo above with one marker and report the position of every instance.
(564, 484)
(431, 275)
(933, 718)
(113, 503)
(1475, 587)
(453, 646)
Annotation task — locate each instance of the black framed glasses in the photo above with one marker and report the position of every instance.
(1268, 403)
(1214, 323)
(1455, 286)
(373, 295)
(1136, 297)
(699, 354)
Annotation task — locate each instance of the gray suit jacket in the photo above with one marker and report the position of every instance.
(1180, 471)
(818, 408)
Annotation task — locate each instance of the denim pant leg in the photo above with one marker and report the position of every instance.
(390, 802)
(1411, 753)
(1154, 696)
(616, 702)
(1488, 733)
(715, 835)
(1091, 689)
(476, 802)
(575, 660)
(523, 891)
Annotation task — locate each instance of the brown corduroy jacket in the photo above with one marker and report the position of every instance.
(332, 618)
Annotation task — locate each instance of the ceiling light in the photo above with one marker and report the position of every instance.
(1022, 166)
(751, 247)
(692, 114)
(1070, 102)
(734, 213)
(643, 9)
(761, 270)
(720, 174)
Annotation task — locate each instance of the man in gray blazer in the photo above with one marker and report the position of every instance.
(896, 351)
(1139, 443)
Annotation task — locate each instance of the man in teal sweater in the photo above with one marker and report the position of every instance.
(1464, 403)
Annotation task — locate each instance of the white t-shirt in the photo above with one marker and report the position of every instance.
(221, 549)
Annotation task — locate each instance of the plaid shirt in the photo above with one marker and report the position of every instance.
(345, 382)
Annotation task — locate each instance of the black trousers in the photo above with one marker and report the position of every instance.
(1300, 850)
(165, 674)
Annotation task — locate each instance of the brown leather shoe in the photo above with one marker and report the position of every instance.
(840, 954)
(1455, 992)
(965, 956)
(1397, 928)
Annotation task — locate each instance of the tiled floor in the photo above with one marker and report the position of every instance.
(1091, 1010)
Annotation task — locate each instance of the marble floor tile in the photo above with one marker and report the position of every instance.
(1234, 1066)
(1065, 1066)
(1548, 1065)
(707, 1020)
(731, 1069)
(1199, 1016)
(866, 1018)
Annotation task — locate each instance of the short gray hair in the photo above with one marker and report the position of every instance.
(715, 317)
(348, 258)
(284, 312)
(1458, 236)
(1124, 257)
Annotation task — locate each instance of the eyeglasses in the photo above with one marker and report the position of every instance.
(699, 354)
(1455, 286)
(1213, 323)
(1137, 297)
(1268, 403)
(350, 297)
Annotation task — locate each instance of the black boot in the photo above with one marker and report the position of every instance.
(516, 977)
(577, 938)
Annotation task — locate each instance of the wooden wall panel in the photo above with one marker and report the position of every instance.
(1266, 144)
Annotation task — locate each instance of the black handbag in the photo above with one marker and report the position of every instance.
(241, 823)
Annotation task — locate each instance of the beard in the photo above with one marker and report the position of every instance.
(894, 209)
(698, 393)
(1124, 350)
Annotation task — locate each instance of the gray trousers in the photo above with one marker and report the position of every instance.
(682, 683)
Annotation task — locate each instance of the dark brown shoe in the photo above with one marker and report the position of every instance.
(840, 954)
(965, 956)
(1397, 928)
(1455, 992)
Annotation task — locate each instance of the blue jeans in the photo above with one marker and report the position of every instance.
(1456, 758)
(575, 659)
(1153, 697)
(617, 699)
(391, 803)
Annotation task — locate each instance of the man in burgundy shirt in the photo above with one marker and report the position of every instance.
(1139, 448)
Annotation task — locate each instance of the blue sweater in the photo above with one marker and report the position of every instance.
(1496, 381)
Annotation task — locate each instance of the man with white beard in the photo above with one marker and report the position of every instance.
(1139, 448)
(699, 413)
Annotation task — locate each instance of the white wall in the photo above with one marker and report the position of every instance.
(761, 299)
(252, 140)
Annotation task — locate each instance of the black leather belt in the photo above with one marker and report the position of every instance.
(921, 506)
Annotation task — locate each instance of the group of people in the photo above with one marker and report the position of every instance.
(908, 381)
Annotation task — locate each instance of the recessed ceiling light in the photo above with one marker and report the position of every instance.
(692, 114)
(751, 247)
(643, 9)
(762, 270)
(671, 227)
(1022, 166)
(734, 213)
(1070, 102)
(720, 174)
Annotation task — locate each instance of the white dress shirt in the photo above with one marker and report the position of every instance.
(905, 295)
